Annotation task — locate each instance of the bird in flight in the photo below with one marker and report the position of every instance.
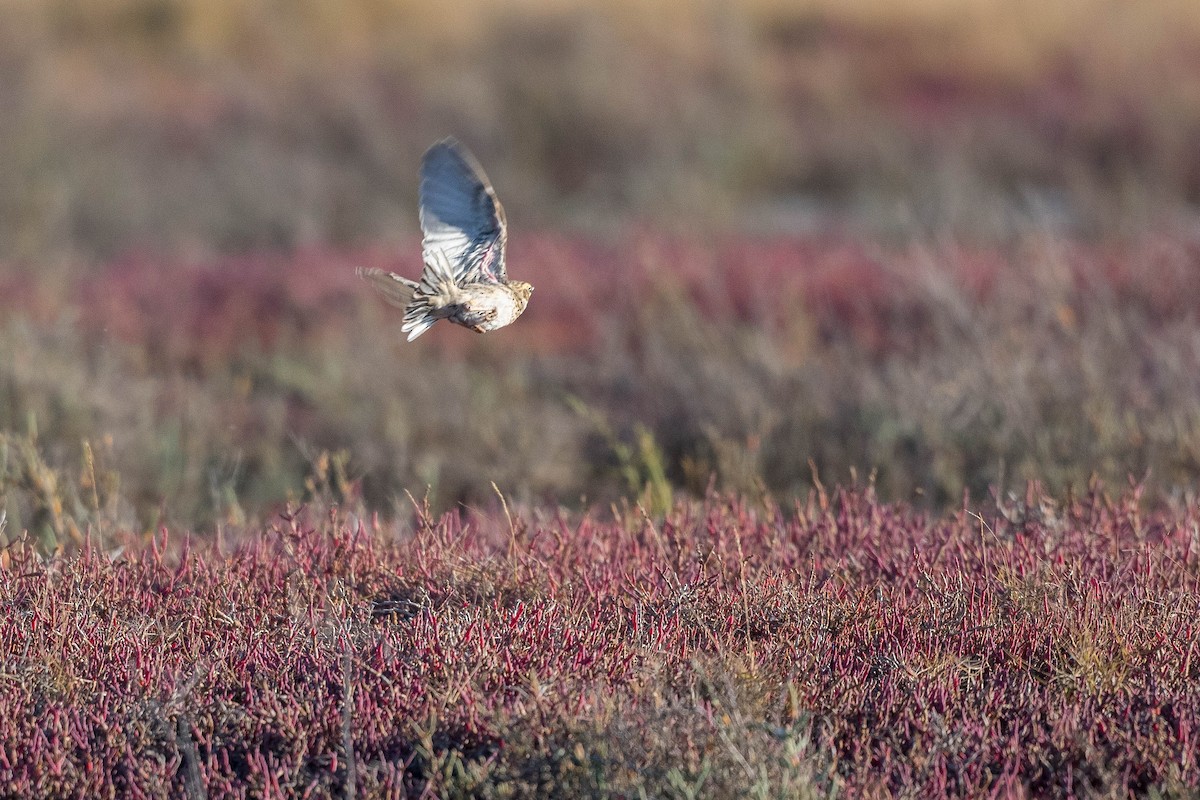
(465, 232)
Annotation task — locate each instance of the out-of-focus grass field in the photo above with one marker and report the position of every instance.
(945, 253)
(949, 243)
(197, 125)
(204, 394)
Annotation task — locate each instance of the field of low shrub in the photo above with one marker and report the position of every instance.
(839, 646)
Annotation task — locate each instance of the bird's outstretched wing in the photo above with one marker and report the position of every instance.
(460, 215)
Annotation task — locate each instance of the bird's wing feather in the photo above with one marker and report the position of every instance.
(396, 290)
(461, 218)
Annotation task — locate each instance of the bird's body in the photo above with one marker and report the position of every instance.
(465, 279)
(486, 307)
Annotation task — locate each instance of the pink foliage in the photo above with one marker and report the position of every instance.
(1040, 649)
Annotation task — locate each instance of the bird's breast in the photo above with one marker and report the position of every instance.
(487, 306)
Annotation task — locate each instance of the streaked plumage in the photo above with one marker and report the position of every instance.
(465, 278)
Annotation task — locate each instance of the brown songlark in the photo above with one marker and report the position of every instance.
(465, 233)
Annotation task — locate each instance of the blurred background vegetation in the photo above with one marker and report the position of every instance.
(952, 243)
(216, 125)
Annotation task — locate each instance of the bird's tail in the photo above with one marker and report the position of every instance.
(433, 298)
(424, 303)
(397, 290)
(402, 293)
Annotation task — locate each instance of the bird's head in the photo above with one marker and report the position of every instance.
(521, 290)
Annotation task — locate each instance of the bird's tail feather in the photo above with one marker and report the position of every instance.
(397, 290)
(419, 318)
(430, 298)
